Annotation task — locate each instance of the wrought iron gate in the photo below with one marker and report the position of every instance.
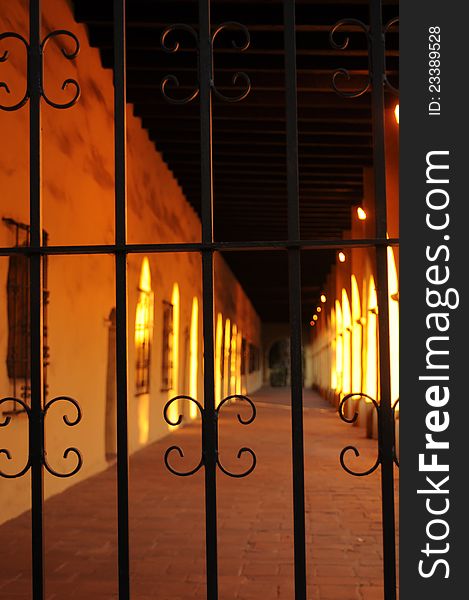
(37, 252)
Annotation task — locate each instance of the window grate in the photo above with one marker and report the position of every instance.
(19, 317)
(168, 343)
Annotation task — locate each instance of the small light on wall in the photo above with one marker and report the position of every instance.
(312, 323)
(361, 214)
(319, 309)
(341, 257)
(396, 113)
(323, 298)
(315, 317)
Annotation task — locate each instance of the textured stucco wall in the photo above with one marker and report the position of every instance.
(78, 197)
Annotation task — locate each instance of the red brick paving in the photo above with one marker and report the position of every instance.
(255, 528)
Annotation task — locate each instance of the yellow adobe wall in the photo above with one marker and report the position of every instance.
(78, 192)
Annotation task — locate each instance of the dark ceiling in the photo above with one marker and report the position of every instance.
(249, 136)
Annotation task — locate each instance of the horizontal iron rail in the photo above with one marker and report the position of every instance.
(197, 247)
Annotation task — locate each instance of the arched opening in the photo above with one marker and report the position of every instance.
(143, 342)
(226, 359)
(339, 357)
(233, 357)
(346, 344)
(357, 337)
(218, 359)
(279, 363)
(173, 351)
(193, 356)
(239, 342)
(372, 341)
(393, 289)
(333, 338)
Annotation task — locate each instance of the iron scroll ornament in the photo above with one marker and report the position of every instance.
(389, 25)
(354, 449)
(69, 422)
(344, 73)
(69, 55)
(238, 77)
(6, 452)
(4, 58)
(172, 79)
(203, 414)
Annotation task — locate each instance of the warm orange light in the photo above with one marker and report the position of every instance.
(193, 352)
(219, 357)
(347, 344)
(143, 339)
(239, 341)
(396, 113)
(319, 309)
(234, 340)
(361, 214)
(341, 257)
(173, 412)
(357, 336)
(323, 298)
(226, 359)
(315, 317)
(312, 323)
(393, 290)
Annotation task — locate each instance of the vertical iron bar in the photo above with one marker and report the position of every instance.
(386, 419)
(36, 430)
(209, 434)
(294, 275)
(121, 296)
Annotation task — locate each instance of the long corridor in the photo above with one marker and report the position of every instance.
(255, 524)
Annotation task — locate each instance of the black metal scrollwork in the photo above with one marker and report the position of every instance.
(4, 58)
(6, 452)
(203, 414)
(352, 419)
(239, 78)
(69, 55)
(243, 450)
(344, 73)
(172, 79)
(69, 422)
(178, 449)
(389, 25)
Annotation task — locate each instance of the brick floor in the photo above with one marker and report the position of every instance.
(255, 528)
